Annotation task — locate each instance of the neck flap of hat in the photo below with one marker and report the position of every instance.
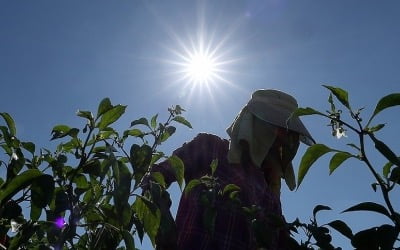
(258, 134)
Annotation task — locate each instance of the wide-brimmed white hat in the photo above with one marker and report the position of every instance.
(257, 124)
(276, 107)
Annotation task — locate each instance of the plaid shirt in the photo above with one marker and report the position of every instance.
(232, 227)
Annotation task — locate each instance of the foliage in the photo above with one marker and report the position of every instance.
(378, 237)
(97, 188)
(89, 192)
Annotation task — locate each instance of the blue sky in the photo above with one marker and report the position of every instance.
(60, 56)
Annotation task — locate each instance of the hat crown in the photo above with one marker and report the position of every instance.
(274, 98)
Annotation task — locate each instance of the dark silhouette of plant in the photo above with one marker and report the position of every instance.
(87, 193)
(378, 237)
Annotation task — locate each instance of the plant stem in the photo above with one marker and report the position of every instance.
(383, 186)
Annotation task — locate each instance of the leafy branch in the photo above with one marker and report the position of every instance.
(372, 236)
(89, 182)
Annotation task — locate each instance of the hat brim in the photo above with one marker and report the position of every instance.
(281, 118)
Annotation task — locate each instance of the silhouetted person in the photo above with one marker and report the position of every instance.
(263, 142)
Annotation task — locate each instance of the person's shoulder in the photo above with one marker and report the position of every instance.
(204, 141)
(209, 137)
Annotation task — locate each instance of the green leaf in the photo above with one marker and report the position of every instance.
(375, 128)
(395, 175)
(305, 111)
(10, 123)
(386, 169)
(61, 128)
(182, 120)
(88, 196)
(369, 206)
(142, 121)
(111, 116)
(387, 236)
(133, 132)
(35, 212)
(85, 114)
(170, 130)
(60, 131)
(234, 196)
(29, 146)
(6, 149)
(179, 169)
(17, 184)
(122, 192)
(140, 158)
(104, 106)
(230, 188)
(337, 160)
(385, 150)
(81, 182)
(340, 94)
(153, 121)
(354, 146)
(366, 239)
(149, 216)
(128, 238)
(92, 167)
(74, 143)
(342, 228)
(310, 156)
(382, 237)
(192, 184)
(156, 156)
(73, 132)
(374, 185)
(159, 178)
(384, 103)
(60, 202)
(213, 166)
(42, 190)
(320, 208)
(105, 167)
(106, 134)
(6, 135)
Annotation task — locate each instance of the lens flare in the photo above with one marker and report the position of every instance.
(60, 222)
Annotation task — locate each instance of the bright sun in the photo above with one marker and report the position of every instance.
(200, 67)
(200, 62)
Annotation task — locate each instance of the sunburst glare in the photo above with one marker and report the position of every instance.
(200, 67)
(202, 60)
(201, 64)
